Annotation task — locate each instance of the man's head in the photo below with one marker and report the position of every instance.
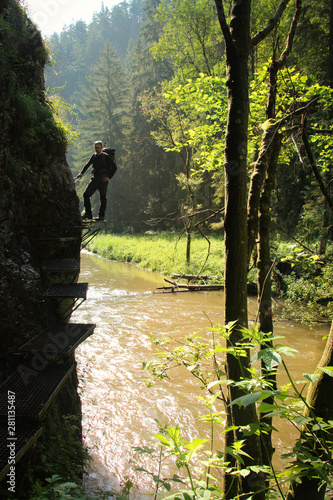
(98, 147)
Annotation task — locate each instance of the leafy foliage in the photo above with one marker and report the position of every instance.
(310, 457)
(191, 37)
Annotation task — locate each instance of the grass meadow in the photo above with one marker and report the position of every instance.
(164, 252)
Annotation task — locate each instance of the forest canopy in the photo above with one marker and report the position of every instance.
(141, 66)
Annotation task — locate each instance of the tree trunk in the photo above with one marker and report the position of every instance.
(238, 46)
(235, 225)
(263, 178)
(188, 244)
(256, 183)
(268, 160)
(264, 278)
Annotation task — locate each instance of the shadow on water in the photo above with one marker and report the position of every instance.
(119, 411)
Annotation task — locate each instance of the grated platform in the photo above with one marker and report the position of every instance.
(68, 291)
(35, 387)
(61, 265)
(60, 239)
(58, 341)
(14, 449)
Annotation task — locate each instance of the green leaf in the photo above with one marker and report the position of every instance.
(313, 377)
(289, 351)
(230, 428)
(163, 440)
(301, 420)
(218, 382)
(327, 369)
(247, 400)
(270, 357)
(196, 444)
(267, 407)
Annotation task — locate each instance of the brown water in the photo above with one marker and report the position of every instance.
(119, 411)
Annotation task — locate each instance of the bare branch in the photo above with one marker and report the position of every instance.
(291, 35)
(170, 217)
(317, 131)
(261, 35)
(312, 162)
(223, 23)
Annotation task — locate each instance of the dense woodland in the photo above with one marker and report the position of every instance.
(122, 75)
(221, 116)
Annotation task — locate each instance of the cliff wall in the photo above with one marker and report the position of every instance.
(38, 203)
(38, 199)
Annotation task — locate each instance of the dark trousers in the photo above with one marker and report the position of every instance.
(93, 186)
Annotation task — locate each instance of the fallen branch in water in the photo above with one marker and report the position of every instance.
(186, 287)
(177, 287)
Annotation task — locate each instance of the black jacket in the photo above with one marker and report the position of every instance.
(102, 166)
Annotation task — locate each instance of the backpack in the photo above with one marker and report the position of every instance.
(111, 152)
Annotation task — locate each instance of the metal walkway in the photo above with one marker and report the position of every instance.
(45, 363)
(67, 291)
(14, 447)
(34, 390)
(58, 342)
(90, 229)
(61, 265)
(61, 270)
(75, 291)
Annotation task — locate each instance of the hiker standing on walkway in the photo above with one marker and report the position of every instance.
(103, 169)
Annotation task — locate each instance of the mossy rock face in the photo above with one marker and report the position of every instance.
(38, 198)
(38, 202)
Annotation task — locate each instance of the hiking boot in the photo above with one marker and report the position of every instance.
(87, 216)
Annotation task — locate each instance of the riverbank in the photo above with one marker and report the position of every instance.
(163, 252)
(306, 286)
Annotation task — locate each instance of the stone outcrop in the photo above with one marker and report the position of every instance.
(38, 198)
(38, 201)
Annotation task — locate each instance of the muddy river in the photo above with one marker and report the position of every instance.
(119, 410)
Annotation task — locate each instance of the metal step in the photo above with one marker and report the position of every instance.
(67, 291)
(58, 341)
(34, 388)
(61, 265)
(13, 447)
(59, 239)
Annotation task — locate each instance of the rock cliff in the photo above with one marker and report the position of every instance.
(38, 198)
(38, 201)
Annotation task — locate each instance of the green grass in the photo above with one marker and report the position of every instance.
(162, 252)
(165, 253)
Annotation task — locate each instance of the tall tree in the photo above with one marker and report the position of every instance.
(151, 171)
(103, 106)
(239, 44)
(172, 131)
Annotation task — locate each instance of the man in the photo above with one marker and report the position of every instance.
(103, 169)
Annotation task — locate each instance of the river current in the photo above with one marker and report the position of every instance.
(119, 410)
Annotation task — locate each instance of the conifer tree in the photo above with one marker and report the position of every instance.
(103, 107)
